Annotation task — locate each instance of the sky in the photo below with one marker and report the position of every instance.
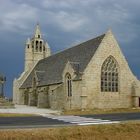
(65, 23)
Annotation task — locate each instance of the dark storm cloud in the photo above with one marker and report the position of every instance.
(65, 23)
(82, 17)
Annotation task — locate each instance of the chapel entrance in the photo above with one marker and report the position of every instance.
(26, 98)
(35, 97)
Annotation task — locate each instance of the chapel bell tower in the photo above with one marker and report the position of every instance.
(36, 49)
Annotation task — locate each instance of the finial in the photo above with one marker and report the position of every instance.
(37, 31)
(28, 41)
(109, 31)
(47, 45)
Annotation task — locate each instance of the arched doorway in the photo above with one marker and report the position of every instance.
(26, 97)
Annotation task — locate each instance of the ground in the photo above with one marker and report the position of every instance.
(23, 109)
(100, 111)
(129, 131)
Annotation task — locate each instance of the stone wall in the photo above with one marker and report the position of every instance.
(94, 98)
(43, 97)
(136, 93)
(59, 99)
(86, 93)
(56, 96)
(16, 85)
(73, 102)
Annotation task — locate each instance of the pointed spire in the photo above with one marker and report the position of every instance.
(37, 31)
(48, 49)
(28, 41)
(47, 45)
(109, 31)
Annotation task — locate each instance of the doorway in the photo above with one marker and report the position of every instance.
(139, 101)
(26, 98)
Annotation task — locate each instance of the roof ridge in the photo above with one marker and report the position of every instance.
(55, 64)
(59, 52)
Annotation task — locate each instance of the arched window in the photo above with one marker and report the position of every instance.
(40, 49)
(109, 75)
(68, 85)
(40, 46)
(36, 45)
(37, 48)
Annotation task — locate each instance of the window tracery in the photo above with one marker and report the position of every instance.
(109, 75)
(68, 85)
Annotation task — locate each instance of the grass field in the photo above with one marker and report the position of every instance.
(129, 131)
(100, 111)
(14, 115)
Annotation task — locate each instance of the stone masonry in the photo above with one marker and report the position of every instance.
(44, 82)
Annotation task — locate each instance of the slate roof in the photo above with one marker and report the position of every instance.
(50, 69)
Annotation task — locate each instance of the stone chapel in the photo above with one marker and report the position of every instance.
(92, 74)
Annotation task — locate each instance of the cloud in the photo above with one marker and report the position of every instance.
(16, 17)
(70, 4)
(68, 21)
(87, 18)
(92, 17)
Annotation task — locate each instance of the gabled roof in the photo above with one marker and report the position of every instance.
(52, 67)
